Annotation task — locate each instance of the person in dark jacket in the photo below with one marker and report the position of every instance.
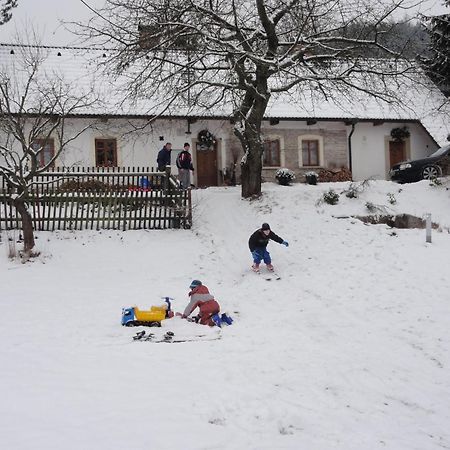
(164, 155)
(258, 246)
(184, 164)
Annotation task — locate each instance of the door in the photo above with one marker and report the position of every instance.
(397, 152)
(206, 165)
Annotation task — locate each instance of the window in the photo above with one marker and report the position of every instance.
(310, 152)
(271, 156)
(105, 153)
(45, 149)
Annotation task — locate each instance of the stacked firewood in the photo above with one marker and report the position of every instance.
(333, 175)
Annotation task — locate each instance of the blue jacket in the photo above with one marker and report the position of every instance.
(164, 157)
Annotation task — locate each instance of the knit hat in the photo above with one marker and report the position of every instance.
(265, 226)
(195, 283)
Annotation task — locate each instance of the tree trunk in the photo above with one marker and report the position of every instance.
(251, 171)
(27, 226)
(251, 141)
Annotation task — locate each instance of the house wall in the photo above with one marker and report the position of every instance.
(370, 154)
(370, 148)
(332, 139)
(139, 148)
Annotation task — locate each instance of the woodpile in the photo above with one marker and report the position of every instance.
(333, 175)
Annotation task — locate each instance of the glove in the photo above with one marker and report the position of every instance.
(285, 243)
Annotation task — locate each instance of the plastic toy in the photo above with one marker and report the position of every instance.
(133, 317)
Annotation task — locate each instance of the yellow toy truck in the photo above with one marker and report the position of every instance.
(133, 317)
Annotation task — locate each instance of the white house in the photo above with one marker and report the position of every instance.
(355, 133)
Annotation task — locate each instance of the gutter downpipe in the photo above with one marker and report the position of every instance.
(350, 147)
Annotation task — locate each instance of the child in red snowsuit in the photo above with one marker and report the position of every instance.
(201, 298)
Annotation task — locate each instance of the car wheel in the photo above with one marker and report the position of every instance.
(431, 172)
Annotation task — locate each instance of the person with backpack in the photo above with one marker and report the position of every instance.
(184, 164)
(258, 246)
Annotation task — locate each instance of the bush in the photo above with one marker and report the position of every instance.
(391, 199)
(436, 182)
(90, 185)
(355, 189)
(331, 197)
(284, 176)
(311, 177)
(375, 209)
(352, 191)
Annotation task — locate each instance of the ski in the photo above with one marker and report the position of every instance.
(274, 276)
(169, 337)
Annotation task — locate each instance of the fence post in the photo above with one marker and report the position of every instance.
(167, 179)
(189, 210)
(428, 227)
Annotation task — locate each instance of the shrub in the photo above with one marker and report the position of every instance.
(331, 197)
(90, 185)
(311, 177)
(391, 199)
(436, 182)
(284, 176)
(374, 209)
(352, 191)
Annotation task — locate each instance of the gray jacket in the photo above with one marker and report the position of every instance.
(199, 295)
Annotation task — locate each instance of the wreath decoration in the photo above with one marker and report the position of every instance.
(400, 134)
(206, 138)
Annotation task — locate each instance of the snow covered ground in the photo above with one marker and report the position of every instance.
(349, 350)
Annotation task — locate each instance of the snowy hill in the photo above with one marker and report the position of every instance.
(349, 350)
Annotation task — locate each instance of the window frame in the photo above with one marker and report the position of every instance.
(309, 151)
(310, 137)
(271, 140)
(96, 150)
(43, 142)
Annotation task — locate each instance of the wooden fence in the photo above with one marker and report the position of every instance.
(98, 179)
(113, 198)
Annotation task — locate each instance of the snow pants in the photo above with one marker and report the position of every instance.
(261, 254)
(207, 310)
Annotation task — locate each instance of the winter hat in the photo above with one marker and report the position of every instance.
(195, 283)
(265, 226)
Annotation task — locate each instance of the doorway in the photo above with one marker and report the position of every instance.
(206, 165)
(397, 152)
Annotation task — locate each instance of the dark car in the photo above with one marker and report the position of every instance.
(433, 166)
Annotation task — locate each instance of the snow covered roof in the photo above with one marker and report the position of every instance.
(84, 70)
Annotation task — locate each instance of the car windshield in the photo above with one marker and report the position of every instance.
(441, 151)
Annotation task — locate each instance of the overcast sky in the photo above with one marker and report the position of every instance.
(47, 15)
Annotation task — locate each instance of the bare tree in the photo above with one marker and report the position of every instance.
(195, 54)
(34, 108)
(5, 10)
